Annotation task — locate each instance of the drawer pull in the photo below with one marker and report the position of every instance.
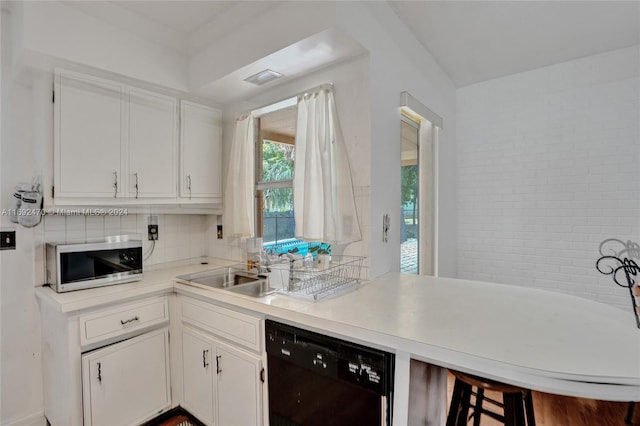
(204, 358)
(129, 320)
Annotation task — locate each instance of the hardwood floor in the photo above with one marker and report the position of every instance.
(555, 410)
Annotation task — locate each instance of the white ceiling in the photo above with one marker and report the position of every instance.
(475, 41)
(185, 16)
(295, 60)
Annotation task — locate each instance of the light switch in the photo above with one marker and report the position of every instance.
(7, 240)
(386, 223)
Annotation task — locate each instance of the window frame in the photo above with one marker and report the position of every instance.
(261, 185)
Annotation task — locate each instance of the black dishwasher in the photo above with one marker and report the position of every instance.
(320, 380)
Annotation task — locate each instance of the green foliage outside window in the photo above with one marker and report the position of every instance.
(277, 165)
(409, 194)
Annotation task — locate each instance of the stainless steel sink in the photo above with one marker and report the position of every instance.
(233, 278)
(256, 288)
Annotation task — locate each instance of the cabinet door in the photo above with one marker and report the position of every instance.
(197, 375)
(127, 383)
(89, 132)
(152, 145)
(201, 150)
(239, 388)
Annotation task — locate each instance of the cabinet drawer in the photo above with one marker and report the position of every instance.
(122, 319)
(237, 327)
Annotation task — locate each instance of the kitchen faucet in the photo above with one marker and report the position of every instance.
(292, 280)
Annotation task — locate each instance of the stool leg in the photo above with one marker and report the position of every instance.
(513, 410)
(456, 398)
(509, 409)
(466, 402)
(519, 405)
(477, 411)
(629, 419)
(528, 406)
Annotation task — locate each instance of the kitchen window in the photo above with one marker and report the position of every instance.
(275, 150)
(307, 127)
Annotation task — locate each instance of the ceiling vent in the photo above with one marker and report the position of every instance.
(263, 77)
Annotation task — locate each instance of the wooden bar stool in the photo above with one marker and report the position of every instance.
(517, 402)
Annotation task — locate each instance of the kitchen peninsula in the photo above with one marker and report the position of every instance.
(536, 339)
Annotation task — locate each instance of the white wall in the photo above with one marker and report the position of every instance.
(547, 169)
(26, 119)
(2, 26)
(21, 368)
(65, 32)
(399, 63)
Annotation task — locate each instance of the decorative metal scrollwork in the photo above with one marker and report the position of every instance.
(617, 260)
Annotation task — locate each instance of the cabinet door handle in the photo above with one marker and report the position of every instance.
(189, 185)
(262, 375)
(204, 358)
(136, 186)
(218, 369)
(125, 322)
(99, 372)
(115, 184)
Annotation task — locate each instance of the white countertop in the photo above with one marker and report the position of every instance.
(156, 281)
(538, 339)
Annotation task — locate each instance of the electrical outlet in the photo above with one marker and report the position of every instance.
(153, 232)
(7, 240)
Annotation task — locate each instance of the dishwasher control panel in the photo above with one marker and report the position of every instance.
(331, 357)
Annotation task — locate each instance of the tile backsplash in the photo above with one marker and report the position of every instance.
(180, 237)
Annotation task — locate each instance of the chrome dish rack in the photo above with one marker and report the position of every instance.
(342, 274)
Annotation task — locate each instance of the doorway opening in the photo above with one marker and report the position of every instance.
(419, 129)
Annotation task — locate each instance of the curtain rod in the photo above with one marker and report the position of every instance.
(326, 86)
(264, 109)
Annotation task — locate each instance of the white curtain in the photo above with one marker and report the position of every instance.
(324, 205)
(239, 211)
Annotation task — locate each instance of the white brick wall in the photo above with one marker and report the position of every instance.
(549, 166)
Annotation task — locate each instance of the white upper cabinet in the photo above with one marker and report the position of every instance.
(201, 151)
(88, 138)
(120, 145)
(153, 145)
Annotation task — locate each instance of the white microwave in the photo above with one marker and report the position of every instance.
(116, 260)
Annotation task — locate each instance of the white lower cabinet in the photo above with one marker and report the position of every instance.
(239, 387)
(222, 384)
(128, 382)
(198, 375)
(104, 364)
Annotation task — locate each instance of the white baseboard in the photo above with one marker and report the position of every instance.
(37, 419)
